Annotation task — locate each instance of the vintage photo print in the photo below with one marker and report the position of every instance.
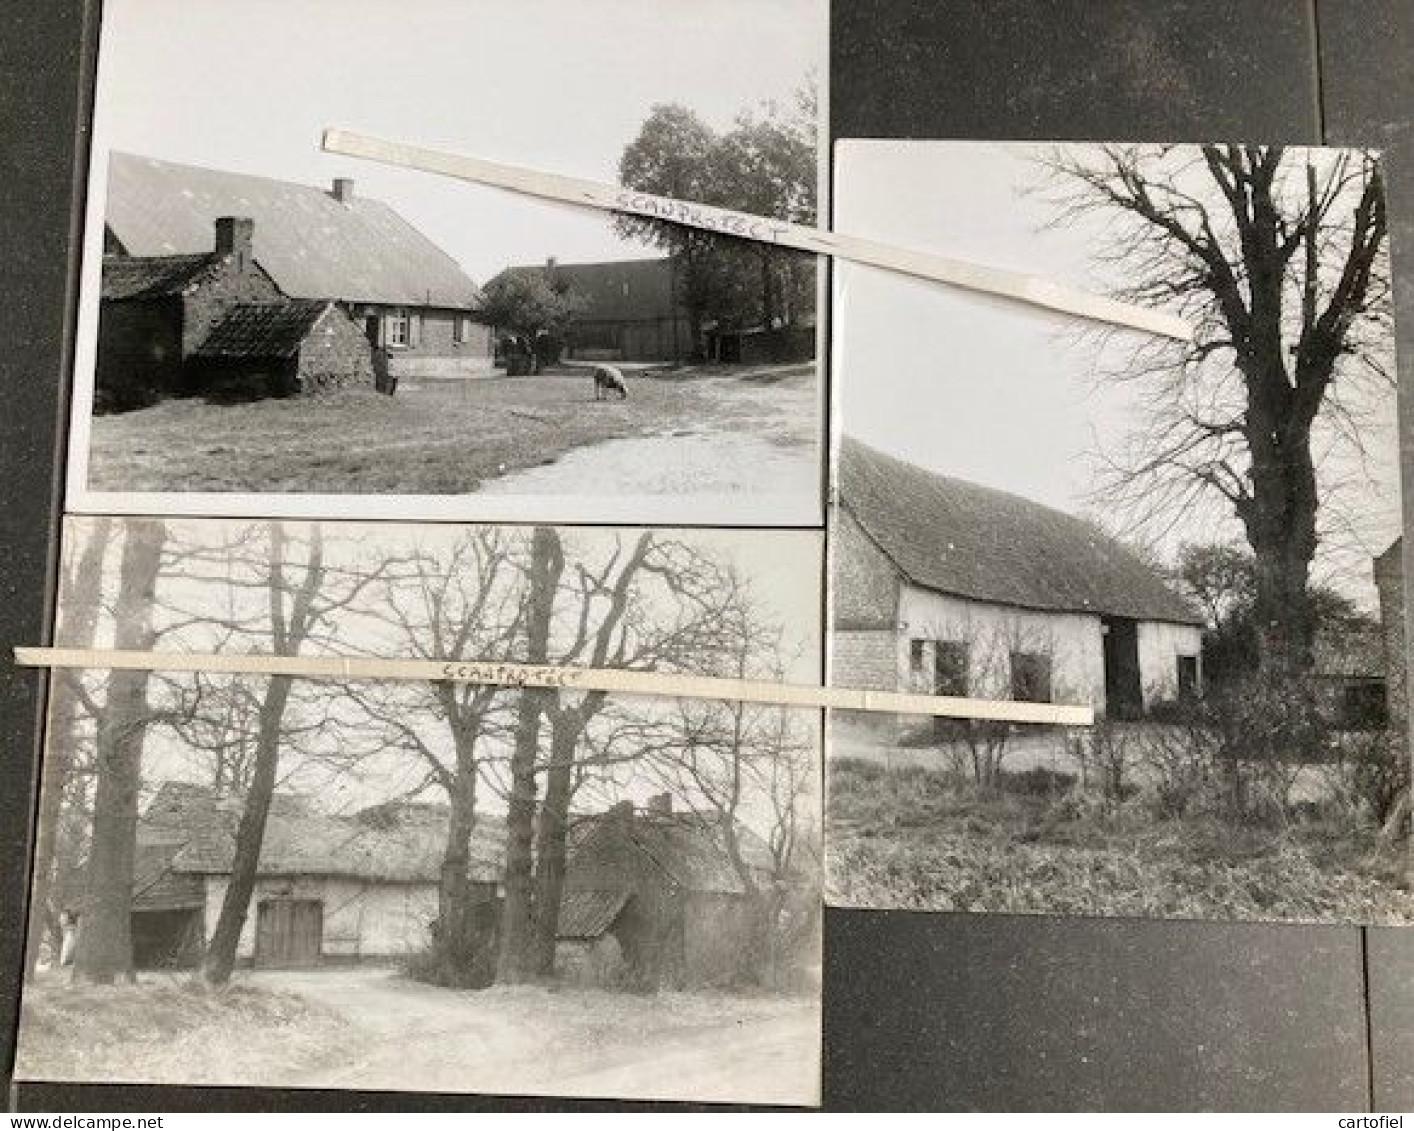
(1199, 539)
(266, 328)
(443, 886)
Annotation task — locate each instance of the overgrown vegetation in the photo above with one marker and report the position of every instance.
(1040, 842)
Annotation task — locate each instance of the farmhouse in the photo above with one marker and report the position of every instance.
(160, 312)
(651, 895)
(328, 889)
(947, 587)
(406, 294)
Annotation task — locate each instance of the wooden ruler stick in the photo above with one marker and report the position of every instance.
(572, 678)
(596, 194)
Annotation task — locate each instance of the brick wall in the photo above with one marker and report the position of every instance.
(865, 658)
(231, 284)
(864, 585)
(335, 355)
(431, 334)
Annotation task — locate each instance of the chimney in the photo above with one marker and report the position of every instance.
(623, 811)
(660, 804)
(343, 189)
(235, 236)
(551, 263)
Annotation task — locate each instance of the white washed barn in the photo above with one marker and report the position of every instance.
(943, 586)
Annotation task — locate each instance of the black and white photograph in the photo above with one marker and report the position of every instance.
(269, 329)
(270, 880)
(1199, 539)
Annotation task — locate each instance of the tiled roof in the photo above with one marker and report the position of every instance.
(588, 914)
(144, 276)
(622, 291)
(263, 330)
(970, 541)
(311, 244)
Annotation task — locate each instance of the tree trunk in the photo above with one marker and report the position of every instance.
(1280, 522)
(518, 913)
(459, 941)
(79, 604)
(220, 957)
(551, 849)
(105, 937)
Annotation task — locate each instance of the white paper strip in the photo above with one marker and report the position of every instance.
(575, 678)
(595, 194)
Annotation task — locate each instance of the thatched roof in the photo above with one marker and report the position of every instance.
(389, 843)
(688, 847)
(312, 244)
(962, 539)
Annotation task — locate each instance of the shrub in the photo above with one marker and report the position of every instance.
(1107, 756)
(1036, 782)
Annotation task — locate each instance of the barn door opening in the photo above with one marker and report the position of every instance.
(1124, 691)
(288, 932)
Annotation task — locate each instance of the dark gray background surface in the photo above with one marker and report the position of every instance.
(922, 1011)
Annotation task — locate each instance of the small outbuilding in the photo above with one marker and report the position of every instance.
(281, 349)
(655, 890)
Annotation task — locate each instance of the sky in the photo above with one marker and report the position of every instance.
(1002, 393)
(558, 84)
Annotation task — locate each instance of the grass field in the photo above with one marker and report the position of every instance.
(434, 437)
(916, 838)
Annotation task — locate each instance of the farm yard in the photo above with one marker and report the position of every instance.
(461, 437)
(368, 1027)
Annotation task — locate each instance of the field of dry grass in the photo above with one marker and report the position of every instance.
(917, 838)
(162, 1029)
(433, 437)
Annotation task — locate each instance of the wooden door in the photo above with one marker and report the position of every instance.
(288, 932)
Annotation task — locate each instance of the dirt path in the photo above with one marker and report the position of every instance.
(528, 1039)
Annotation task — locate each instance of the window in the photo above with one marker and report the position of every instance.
(1030, 677)
(461, 332)
(397, 328)
(1188, 677)
(950, 668)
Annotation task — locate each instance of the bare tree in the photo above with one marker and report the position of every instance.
(299, 597)
(515, 961)
(104, 949)
(738, 760)
(464, 605)
(1281, 262)
(80, 602)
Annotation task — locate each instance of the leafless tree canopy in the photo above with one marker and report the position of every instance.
(1279, 259)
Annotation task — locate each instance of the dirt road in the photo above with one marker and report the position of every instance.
(530, 1039)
